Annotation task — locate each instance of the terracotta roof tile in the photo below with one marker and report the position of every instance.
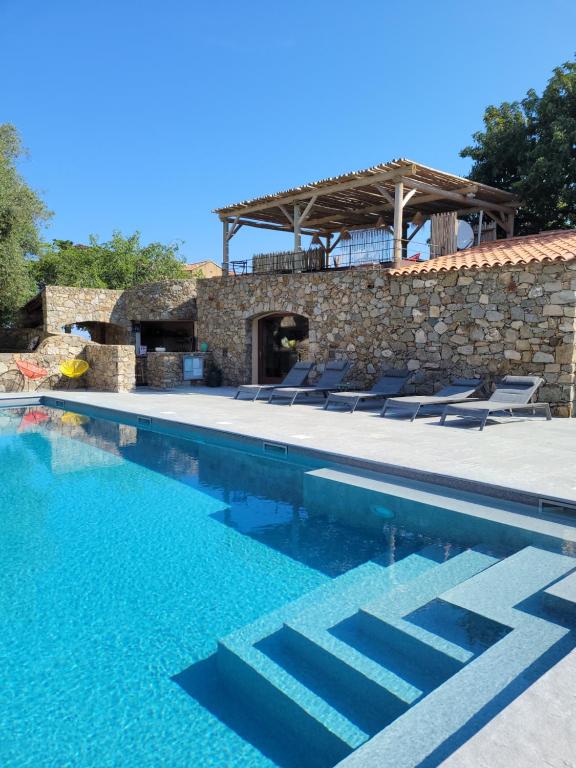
(559, 245)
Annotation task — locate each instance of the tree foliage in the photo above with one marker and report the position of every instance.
(529, 148)
(122, 262)
(21, 213)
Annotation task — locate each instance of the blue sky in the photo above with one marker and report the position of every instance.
(145, 115)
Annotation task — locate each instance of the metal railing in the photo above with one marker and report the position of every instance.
(347, 255)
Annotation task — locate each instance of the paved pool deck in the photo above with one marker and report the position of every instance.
(529, 455)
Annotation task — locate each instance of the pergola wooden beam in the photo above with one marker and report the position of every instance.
(276, 227)
(389, 206)
(364, 181)
(457, 197)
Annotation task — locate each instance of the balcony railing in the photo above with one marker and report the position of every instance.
(347, 255)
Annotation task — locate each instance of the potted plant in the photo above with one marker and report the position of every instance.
(213, 375)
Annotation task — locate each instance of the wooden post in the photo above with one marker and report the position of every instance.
(225, 248)
(510, 227)
(398, 206)
(297, 238)
(327, 251)
(480, 223)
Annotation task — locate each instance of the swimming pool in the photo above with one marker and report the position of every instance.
(143, 574)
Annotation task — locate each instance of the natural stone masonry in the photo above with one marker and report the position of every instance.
(488, 322)
(166, 300)
(64, 305)
(164, 369)
(112, 368)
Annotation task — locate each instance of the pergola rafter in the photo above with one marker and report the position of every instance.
(360, 199)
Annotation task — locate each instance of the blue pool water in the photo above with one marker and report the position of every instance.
(124, 556)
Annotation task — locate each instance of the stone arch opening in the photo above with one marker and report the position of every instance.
(100, 332)
(276, 340)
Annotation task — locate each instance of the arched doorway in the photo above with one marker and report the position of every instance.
(281, 340)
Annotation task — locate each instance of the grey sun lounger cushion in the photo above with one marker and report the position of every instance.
(458, 390)
(512, 394)
(330, 380)
(295, 377)
(391, 382)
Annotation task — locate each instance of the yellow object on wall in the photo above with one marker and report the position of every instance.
(73, 368)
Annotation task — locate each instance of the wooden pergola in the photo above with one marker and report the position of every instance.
(387, 195)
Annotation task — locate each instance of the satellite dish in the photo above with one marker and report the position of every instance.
(465, 235)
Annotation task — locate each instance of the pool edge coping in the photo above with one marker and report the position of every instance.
(455, 483)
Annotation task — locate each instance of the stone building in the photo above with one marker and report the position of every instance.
(507, 306)
(109, 329)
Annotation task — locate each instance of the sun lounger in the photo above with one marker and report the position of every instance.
(390, 383)
(330, 380)
(295, 377)
(456, 391)
(512, 395)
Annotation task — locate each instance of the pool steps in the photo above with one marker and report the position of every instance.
(503, 593)
(561, 597)
(344, 666)
(267, 684)
(303, 635)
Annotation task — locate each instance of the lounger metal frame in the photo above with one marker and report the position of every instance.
(330, 381)
(390, 383)
(512, 394)
(458, 390)
(295, 377)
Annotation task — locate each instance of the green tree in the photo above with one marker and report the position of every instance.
(529, 148)
(119, 263)
(21, 213)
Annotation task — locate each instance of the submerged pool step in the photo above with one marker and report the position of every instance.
(357, 697)
(250, 662)
(436, 658)
(293, 666)
(560, 598)
(346, 667)
(381, 630)
(285, 702)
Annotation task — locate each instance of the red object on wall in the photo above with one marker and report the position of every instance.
(31, 370)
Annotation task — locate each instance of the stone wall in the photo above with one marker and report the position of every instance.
(112, 368)
(20, 339)
(52, 351)
(164, 369)
(64, 305)
(166, 300)
(487, 322)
